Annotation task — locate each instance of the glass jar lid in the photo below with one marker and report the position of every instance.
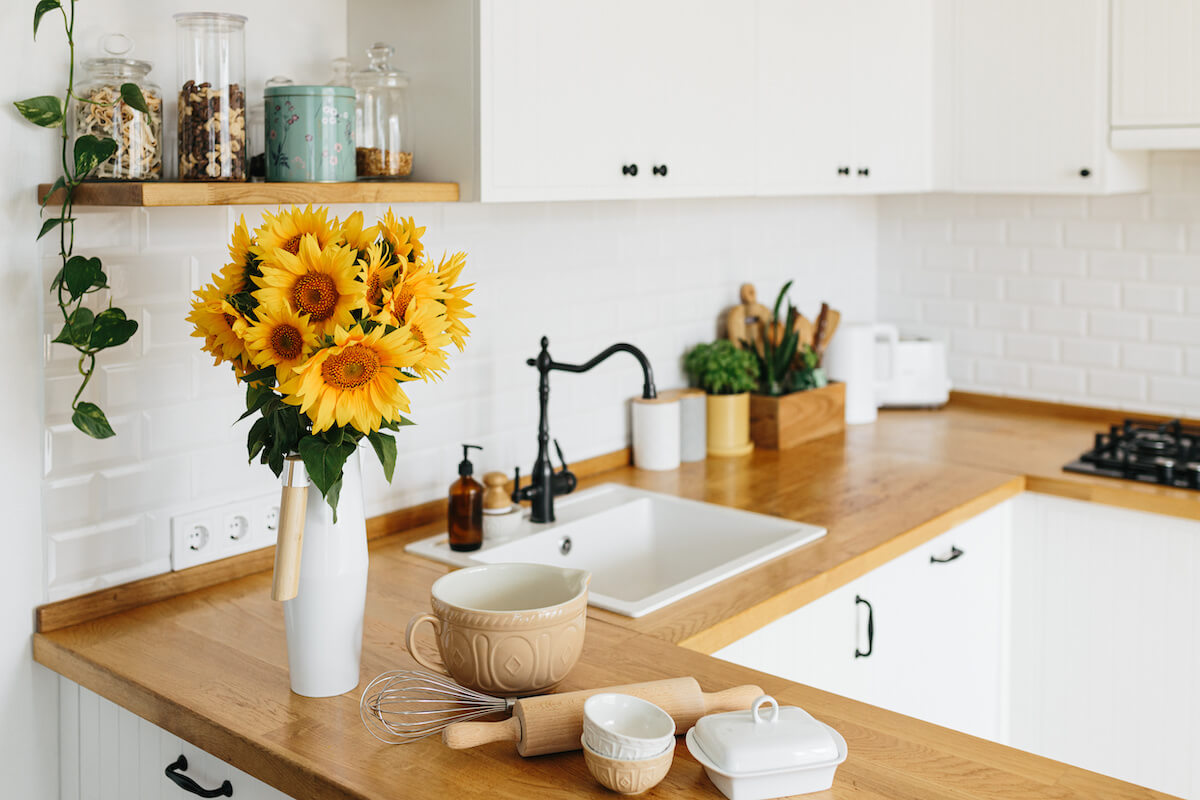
(379, 71)
(217, 21)
(116, 64)
(741, 742)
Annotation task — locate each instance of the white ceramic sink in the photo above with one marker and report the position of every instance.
(645, 550)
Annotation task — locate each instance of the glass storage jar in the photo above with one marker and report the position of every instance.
(212, 96)
(382, 137)
(99, 111)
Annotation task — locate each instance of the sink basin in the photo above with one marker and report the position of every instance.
(645, 550)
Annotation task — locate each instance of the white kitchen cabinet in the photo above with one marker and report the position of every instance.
(109, 753)
(1031, 99)
(1106, 641)
(938, 618)
(844, 96)
(1156, 74)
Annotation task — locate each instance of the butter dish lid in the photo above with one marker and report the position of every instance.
(765, 740)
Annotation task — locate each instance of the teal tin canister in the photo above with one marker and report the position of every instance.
(310, 133)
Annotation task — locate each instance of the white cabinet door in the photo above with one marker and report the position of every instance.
(922, 635)
(804, 130)
(109, 753)
(1106, 641)
(1156, 63)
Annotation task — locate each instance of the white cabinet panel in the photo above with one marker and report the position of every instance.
(109, 753)
(1156, 63)
(1031, 94)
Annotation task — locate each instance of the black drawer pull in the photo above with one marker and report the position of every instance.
(954, 553)
(657, 170)
(630, 170)
(843, 170)
(864, 172)
(870, 628)
(175, 773)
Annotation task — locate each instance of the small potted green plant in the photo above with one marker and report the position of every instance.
(793, 401)
(727, 374)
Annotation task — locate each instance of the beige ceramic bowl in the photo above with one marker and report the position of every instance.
(629, 777)
(506, 629)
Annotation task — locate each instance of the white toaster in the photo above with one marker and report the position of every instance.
(909, 372)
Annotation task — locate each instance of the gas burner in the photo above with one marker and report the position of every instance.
(1166, 453)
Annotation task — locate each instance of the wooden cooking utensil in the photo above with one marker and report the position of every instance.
(822, 321)
(804, 330)
(832, 319)
(553, 723)
(293, 503)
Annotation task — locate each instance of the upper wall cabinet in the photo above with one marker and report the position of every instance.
(844, 96)
(1155, 78)
(1030, 99)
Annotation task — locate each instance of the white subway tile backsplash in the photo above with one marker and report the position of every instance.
(1119, 207)
(1027, 347)
(1192, 360)
(1003, 375)
(1092, 293)
(1152, 358)
(1002, 206)
(1059, 207)
(946, 312)
(925, 231)
(977, 287)
(948, 256)
(1175, 269)
(1001, 260)
(1043, 232)
(1006, 316)
(979, 231)
(1181, 393)
(1193, 299)
(1150, 297)
(1087, 353)
(1176, 330)
(1118, 325)
(1154, 236)
(1119, 386)
(1059, 262)
(1117, 266)
(975, 342)
(1059, 320)
(928, 284)
(1043, 291)
(1094, 234)
(1057, 380)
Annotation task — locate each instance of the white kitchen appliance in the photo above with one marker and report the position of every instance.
(909, 372)
(851, 360)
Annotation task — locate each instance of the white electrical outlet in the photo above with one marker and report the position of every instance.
(239, 526)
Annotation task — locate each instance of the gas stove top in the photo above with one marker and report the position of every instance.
(1166, 453)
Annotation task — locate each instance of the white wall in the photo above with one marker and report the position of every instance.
(1093, 301)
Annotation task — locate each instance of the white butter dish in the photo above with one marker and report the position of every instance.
(752, 756)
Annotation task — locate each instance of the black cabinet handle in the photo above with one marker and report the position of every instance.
(175, 773)
(870, 628)
(864, 172)
(630, 170)
(954, 553)
(843, 170)
(1085, 172)
(659, 170)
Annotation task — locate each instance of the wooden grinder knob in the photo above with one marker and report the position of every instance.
(495, 493)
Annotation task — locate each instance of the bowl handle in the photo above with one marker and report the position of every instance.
(411, 643)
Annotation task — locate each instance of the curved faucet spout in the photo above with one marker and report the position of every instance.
(544, 363)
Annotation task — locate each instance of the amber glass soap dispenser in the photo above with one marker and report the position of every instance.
(466, 506)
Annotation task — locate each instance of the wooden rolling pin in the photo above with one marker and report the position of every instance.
(553, 723)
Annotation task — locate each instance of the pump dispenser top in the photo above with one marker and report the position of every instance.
(465, 517)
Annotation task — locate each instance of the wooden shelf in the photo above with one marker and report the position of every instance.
(160, 193)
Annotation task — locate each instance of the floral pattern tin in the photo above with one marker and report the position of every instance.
(310, 133)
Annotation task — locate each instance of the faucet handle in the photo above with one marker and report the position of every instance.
(561, 457)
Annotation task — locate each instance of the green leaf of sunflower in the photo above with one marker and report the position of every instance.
(91, 420)
(45, 110)
(385, 448)
(324, 462)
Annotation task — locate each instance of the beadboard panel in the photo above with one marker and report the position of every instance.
(1091, 301)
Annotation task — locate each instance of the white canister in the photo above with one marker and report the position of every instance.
(656, 433)
(851, 360)
(693, 425)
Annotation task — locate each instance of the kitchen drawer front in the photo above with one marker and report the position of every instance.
(109, 753)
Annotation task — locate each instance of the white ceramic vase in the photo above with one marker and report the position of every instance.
(325, 619)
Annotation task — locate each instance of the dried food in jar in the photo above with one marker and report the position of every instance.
(375, 162)
(101, 113)
(212, 132)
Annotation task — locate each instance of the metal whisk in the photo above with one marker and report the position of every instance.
(405, 705)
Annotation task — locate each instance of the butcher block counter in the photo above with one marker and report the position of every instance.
(210, 665)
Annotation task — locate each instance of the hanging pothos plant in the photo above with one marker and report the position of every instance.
(85, 330)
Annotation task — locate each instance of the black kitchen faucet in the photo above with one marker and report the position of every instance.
(545, 483)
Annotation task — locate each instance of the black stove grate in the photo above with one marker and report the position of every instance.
(1166, 453)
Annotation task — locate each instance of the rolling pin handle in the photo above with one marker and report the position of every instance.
(465, 735)
(738, 698)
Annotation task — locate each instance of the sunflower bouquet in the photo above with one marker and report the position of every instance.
(324, 321)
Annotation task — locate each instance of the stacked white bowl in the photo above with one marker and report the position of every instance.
(628, 743)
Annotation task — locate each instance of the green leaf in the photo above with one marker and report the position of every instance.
(45, 110)
(111, 329)
(51, 224)
(91, 420)
(90, 152)
(43, 8)
(266, 375)
(333, 494)
(385, 448)
(324, 462)
(77, 330)
(81, 274)
(59, 183)
(257, 438)
(132, 96)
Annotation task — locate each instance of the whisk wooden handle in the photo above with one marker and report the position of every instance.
(465, 735)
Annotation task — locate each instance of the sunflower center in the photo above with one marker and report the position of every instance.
(353, 367)
(374, 289)
(400, 308)
(316, 295)
(287, 342)
(292, 245)
(228, 319)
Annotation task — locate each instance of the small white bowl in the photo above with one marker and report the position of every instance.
(626, 728)
(629, 776)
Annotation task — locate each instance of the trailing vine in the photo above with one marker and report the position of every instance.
(86, 331)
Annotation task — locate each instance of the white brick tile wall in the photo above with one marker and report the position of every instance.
(585, 274)
(1099, 299)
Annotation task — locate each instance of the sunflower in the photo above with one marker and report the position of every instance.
(455, 300)
(286, 230)
(316, 282)
(356, 381)
(403, 235)
(376, 277)
(218, 324)
(427, 326)
(282, 338)
(416, 282)
(353, 234)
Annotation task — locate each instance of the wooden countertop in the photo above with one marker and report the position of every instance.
(210, 666)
